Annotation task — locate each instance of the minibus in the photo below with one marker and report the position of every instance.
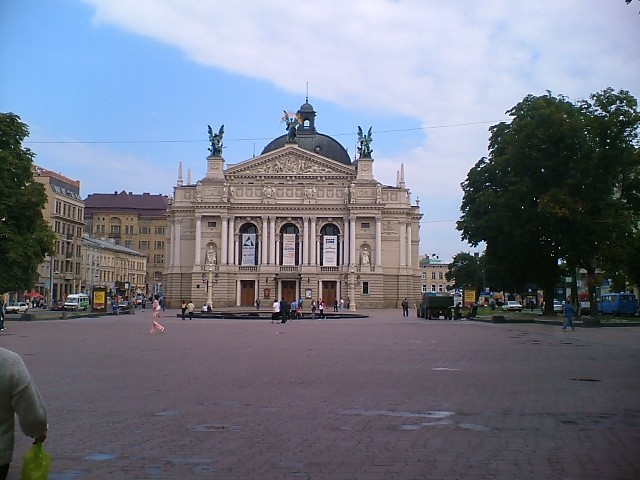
(618, 304)
(77, 301)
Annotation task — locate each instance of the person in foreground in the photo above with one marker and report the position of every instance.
(18, 396)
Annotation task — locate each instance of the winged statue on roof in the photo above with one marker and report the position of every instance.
(216, 141)
(364, 149)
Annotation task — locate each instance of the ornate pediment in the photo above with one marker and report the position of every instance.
(290, 161)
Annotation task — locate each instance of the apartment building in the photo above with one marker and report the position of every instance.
(60, 274)
(135, 221)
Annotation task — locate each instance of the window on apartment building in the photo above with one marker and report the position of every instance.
(159, 230)
(433, 275)
(58, 207)
(115, 229)
(145, 230)
(424, 275)
(424, 289)
(365, 288)
(158, 259)
(433, 288)
(158, 245)
(128, 243)
(441, 288)
(440, 275)
(143, 245)
(211, 224)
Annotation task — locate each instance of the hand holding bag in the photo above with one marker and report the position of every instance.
(35, 465)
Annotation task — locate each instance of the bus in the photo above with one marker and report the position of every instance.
(618, 304)
(77, 301)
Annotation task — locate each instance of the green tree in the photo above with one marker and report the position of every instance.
(466, 270)
(25, 237)
(553, 188)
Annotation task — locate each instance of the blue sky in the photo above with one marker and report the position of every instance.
(116, 93)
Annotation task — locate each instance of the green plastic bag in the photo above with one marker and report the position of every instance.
(35, 465)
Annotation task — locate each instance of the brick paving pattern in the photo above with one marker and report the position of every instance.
(384, 397)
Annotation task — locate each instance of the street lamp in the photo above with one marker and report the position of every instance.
(351, 281)
(210, 279)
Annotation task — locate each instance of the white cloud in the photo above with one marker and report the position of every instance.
(438, 62)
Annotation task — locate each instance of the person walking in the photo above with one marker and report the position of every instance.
(183, 308)
(190, 308)
(313, 310)
(285, 309)
(1, 316)
(569, 313)
(275, 313)
(405, 307)
(18, 396)
(257, 304)
(321, 306)
(155, 315)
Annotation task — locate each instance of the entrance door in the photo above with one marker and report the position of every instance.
(247, 293)
(329, 294)
(289, 290)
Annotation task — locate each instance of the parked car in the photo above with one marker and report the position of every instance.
(512, 306)
(17, 307)
(558, 307)
(57, 305)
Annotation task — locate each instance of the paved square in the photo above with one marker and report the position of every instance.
(384, 397)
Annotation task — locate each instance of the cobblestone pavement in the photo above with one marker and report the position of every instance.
(384, 397)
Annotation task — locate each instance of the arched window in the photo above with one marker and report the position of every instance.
(289, 245)
(248, 252)
(330, 241)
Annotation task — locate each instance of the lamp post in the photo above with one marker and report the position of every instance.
(352, 280)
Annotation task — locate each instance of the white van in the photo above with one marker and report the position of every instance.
(77, 301)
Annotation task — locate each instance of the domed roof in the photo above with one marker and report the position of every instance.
(307, 137)
(317, 143)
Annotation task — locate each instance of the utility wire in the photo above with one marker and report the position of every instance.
(253, 139)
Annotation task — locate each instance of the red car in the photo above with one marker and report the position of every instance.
(58, 305)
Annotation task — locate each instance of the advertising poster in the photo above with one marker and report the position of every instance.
(288, 249)
(248, 249)
(330, 258)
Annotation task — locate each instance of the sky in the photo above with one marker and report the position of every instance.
(117, 92)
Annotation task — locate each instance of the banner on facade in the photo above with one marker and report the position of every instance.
(330, 251)
(248, 249)
(288, 249)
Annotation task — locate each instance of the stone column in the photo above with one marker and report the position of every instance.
(176, 245)
(312, 242)
(232, 237)
(272, 242)
(171, 237)
(409, 244)
(198, 247)
(225, 237)
(305, 241)
(403, 243)
(264, 246)
(378, 241)
(352, 240)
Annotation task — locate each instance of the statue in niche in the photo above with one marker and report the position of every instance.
(378, 193)
(352, 193)
(310, 192)
(199, 192)
(364, 149)
(212, 257)
(292, 121)
(365, 260)
(267, 191)
(216, 141)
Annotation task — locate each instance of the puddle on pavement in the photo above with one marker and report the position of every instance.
(68, 475)
(444, 369)
(389, 413)
(215, 427)
(99, 456)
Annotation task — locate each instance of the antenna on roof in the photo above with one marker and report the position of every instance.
(307, 96)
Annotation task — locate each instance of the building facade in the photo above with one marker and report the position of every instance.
(121, 270)
(61, 274)
(135, 221)
(301, 220)
(434, 273)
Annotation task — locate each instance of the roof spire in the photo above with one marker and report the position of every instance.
(307, 96)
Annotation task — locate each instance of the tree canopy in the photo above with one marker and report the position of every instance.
(560, 183)
(25, 236)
